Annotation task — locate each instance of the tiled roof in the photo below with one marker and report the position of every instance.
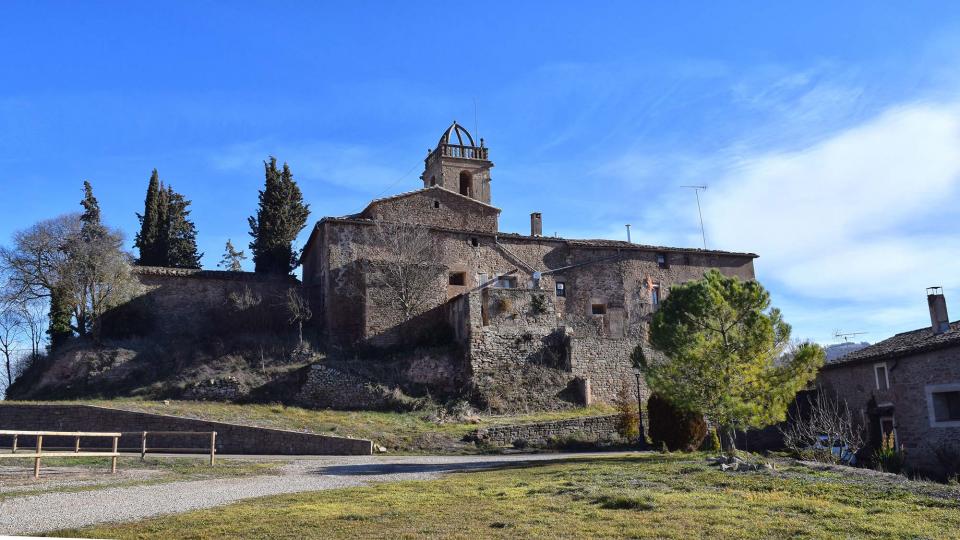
(905, 344)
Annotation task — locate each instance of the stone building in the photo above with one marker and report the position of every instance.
(908, 385)
(510, 301)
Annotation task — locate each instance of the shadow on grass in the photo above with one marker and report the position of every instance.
(372, 469)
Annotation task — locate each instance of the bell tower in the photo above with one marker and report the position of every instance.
(458, 164)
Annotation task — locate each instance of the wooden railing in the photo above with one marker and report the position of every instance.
(144, 448)
(39, 453)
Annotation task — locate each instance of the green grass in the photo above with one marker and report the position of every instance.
(404, 432)
(648, 496)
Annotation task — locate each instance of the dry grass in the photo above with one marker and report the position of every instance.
(414, 432)
(650, 496)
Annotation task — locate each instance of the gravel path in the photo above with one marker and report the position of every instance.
(53, 511)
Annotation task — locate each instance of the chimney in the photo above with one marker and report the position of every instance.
(939, 320)
(536, 224)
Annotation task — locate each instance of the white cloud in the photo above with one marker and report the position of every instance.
(867, 215)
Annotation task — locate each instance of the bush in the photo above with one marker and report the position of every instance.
(711, 443)
(889, 458)
(678, 430)
(628, 421)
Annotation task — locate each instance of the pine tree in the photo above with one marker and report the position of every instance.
(232, 259)
(148, 238)
(726, 353)
(180, 234)
(281, 215)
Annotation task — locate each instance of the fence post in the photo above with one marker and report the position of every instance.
(213, 448)
(113, 460)
(143, 446)
(14, 445)
(36, 460)
(76, 445)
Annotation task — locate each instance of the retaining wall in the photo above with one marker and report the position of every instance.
(541, 432)
(231, 438)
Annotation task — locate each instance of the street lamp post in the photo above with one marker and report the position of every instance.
(643, 438)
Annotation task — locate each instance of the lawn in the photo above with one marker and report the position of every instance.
(414, 432)
(643, 496)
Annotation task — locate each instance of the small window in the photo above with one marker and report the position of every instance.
(433, 180)
(881, 377)
(946, 406)
(475, 242)
(655, 295)
(505, 282)
(662, 260)
(458, 278)
(561, 289)
(436, 204)
(598, 309)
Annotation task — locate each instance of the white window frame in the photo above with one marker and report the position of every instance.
(932, 389)
(886, 375)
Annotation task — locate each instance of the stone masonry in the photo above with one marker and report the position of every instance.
(231, 438)
(539, 434)
(595, 298)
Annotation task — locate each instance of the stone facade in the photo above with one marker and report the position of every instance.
(906, 404)
(539, 434)
(594, 298)
(186, 302)
(231, 438)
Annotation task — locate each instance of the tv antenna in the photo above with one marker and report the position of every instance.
(697, 190)
(838, 335)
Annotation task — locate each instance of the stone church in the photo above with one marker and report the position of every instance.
(510, 303)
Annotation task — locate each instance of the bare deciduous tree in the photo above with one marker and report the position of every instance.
(299, 309)
(90, 272)
(828, 424)
(410, 266)
(11, 330)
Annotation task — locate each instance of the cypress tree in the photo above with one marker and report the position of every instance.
(91, 213)
(149, 236)
(180, 234)
(281, 215)
(61, 314)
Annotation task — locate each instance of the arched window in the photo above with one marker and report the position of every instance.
(466, 183)
(433, 180)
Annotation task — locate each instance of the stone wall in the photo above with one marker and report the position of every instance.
(539, 434)
(912, 379)
(186, 302)
(329, 388)
(436, 207)
(231, 438)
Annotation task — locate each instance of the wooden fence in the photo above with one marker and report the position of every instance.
(39, 453)
(114, 452)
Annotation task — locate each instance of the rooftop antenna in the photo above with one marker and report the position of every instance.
(696, 190)
(476, 123)
(838, 335)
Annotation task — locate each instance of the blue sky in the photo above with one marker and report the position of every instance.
(828, 133)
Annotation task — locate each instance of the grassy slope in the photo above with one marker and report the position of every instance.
(664, 496)
(408, 432)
